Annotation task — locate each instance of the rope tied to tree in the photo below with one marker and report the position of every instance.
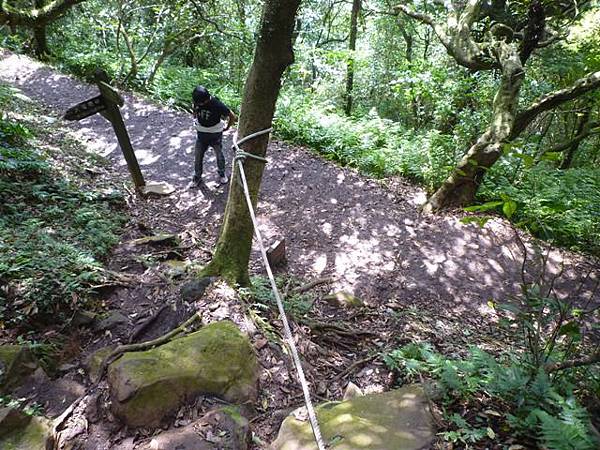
(239, 157)
(242, 155)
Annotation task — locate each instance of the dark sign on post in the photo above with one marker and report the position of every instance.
(107, 104)
(86, 109)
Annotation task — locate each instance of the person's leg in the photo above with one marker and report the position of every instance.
(217, 144)
(200, 150)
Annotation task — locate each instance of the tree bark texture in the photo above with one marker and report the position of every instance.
(36, 19)
(40, 42)
(460, 187)
(583, 130)
(273, 54)
(351, 58)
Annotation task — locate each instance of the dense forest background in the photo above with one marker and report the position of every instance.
(371, 87)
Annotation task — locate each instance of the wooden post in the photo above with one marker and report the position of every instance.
(112, 113)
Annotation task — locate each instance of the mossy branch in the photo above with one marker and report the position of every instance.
(35, 16)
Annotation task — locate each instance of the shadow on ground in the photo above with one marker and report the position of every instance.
(369, 236)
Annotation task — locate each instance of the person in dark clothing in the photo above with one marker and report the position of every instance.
(208, 114)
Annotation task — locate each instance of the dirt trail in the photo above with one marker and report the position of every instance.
(425, 277)
(368, 235)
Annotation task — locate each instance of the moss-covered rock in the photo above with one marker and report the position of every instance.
(12, 419)
(93, 363)
(146, 387)
(36, 435)
(16, 362)
(344, 299)
(398, 420)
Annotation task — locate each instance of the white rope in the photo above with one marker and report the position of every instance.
(286, 326)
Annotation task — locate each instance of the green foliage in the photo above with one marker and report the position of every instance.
(560, 206)
(521, 388)
(377, 146)
(173, 85)
(530, 403)
(84, 62)
(52, 234)
(260, 296)
(28, 407)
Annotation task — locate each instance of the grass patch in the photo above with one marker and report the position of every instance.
(53, 234)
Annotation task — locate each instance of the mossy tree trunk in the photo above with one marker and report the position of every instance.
(36, 19)
(272, 56)
(509, 39)
(461, 186)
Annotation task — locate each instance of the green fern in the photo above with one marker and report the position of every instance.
(568, 431)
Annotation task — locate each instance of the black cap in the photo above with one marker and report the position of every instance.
(200, 94)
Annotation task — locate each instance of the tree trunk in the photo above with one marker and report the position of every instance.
(460, 188)
(40, 37)
(414, 105)
(40, 42)
(273, 55)
(351, 58)
(570, 153)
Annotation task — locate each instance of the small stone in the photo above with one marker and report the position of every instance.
(160, 238)
(12, 419)
(113, 320)
(344, 299)
(276, 253)
(193, 290)
(16, 363)
(352, 391)
(36, 435)
(66, 367)
(93, 362)
(83, 318)
(158, 188)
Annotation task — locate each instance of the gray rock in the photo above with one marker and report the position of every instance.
(93, 362)
(221, 429)
(83, 318)
(343, 299)
(193, 290)
(113, 320)
(16, 363)
(146, 387)
(395, 420)
(34, 434)
(12, 419)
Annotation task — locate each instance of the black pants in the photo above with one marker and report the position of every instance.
(203, 141)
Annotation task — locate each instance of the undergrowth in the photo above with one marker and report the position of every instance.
(534, 391)
(484, 396)
(53, 235)
(260, 296)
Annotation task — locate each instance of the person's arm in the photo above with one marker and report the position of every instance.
(231, 118)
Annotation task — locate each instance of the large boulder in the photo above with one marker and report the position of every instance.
(221, 429)
(21, 432)
(146, 387)
(395, 420)
(16, 363)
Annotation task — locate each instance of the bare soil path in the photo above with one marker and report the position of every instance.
(368, 235)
